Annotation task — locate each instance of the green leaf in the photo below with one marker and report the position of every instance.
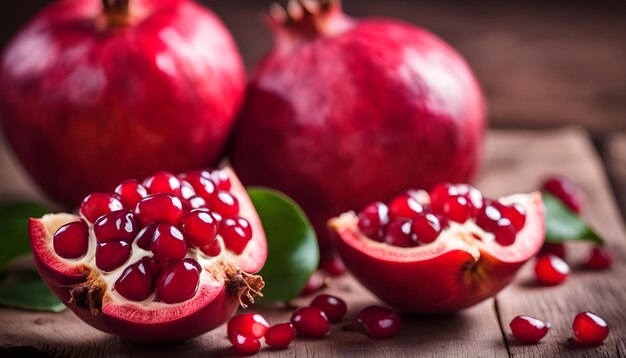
(14, 229)
(562, 224)
(30, 294)
(293, 254)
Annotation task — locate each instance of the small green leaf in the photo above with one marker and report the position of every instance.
(293, 254)
(562, 224)
(30, 294)
(14, 229)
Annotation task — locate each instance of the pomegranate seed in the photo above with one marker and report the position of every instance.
(379, 322)
(71, 241)
(334, 307)
(398, 233)
(196, 202)
(310, 322)
(145, 236)
(426, 228)
(225, 204)
(168, 244)
(404, 206)
(600, 259)
(118, 225)
(372, 219)
(221, 180)
(555, 249)
(564, 190)
(458, 209)
(504, 231)
(251, 325)
(473, 196)
(111, 255)
(204, 187)
(551, 270)
(98, 204)
(590, 328)
(236, 233)
(186, 190)
(162, 182)
(280, 335)
(159, 208)
(528, 329)
(487, 217)
(439, 195)
(153, 265)
(131, 192)
(334, 267)
(136, 282)
(179, 281)
(213, 249)
(244, 345)
(515, 213)
(199, 227)
(314, 284)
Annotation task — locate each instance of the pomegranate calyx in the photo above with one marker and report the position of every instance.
(310, 18)
(240, 284)
(88, 295)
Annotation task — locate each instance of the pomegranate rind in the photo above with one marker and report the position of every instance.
(445, 276)
(155, 322)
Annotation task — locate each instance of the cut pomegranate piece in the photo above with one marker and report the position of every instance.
(131, 192)
(404, 206)
(244, 345)
(379, 322)
(98, 204)
(334, 307)
(251, 325)
(599, 259)
(310, 322)
(71, 241)
(162, 289)
(461, 263)
(372, 220)
(236, 233)
(565, 191)
(550, 270)
(590, 328)
(162, 182)
(528, 329)
(280, 335)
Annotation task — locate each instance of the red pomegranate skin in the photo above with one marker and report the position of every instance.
(85, 104)
(357, 111)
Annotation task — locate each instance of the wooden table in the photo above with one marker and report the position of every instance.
(515, 162)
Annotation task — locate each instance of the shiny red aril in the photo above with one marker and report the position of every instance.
(200, 227)
(334, 307)
(515, 213)
(310, 322)
(426, 228)
(236, 233)
(118, 225)
(488, 215)
(251, 325)
(162, 182)
(131, 192)
(111, 255)
(224, 203)
(71, 240)
(221, 180)
(212, 249)
(372, 219)
(527, 329)
(244, 345)
(404, 206)
(202, 186)
(159, 208)
(590, 328)
(136, 282)
(168, 244)
(398, 233)
(196, 202)
(565, 191)
(379, 322)
(178, 282)
(280, 335)
(551, 270)
(145, 236)
(98, 204)
(334, 267)
(457, 208)
(505, 232)
(600, 258)
(439, 195)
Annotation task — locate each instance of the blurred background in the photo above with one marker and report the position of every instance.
(542, 64)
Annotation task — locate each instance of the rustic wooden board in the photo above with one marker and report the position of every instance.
(514, 162)
(615, 156)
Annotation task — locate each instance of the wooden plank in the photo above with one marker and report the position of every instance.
(571, 154)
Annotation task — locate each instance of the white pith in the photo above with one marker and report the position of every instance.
(53, 222)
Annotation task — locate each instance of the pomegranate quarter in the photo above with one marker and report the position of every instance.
(455, 250)
(147, 264)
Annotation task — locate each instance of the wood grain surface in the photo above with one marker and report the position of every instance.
(515, 161)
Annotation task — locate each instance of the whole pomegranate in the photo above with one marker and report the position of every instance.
(92, 92)
(160, 261)
(343, 112)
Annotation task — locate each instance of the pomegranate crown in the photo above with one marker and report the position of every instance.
(309, 18)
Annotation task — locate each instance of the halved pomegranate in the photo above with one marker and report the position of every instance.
(158, 269)
(464, 249)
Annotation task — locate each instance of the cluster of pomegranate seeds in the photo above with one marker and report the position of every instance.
(165, 215)
(590, 328)
(379, 322)
(246, 330)
(551, 270)
(527, 329)
(564, 190)
(417, 217)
